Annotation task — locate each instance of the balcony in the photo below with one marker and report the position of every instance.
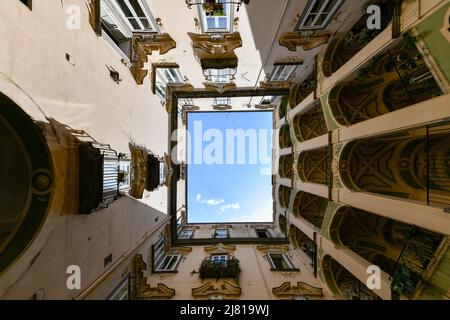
(223, 269)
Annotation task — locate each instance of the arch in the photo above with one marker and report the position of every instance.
(282, 109)
(310, 124)
(342, 48)
(301, 241)
(284, 196)
(314, 166)
(385, 242)
(389, 82)
(310, 207)
(285, 137)
(301, 91)
(341, 282)
(26, 184)
(286, 166)
(410, 164)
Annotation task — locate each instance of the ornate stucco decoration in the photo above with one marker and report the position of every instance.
(275, 248)
(225, 288)
(220, 247)
(301, 289)
(219, 87)
(222, 107)
(142, 45)
(142, 290)
(275, 85)
(337, 148)
(94, 15)
(216, 44)
(307, 40)
(171, 87)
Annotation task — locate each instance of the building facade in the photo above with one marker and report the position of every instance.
(94, 95)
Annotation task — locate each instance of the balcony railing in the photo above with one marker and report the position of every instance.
(223, 269)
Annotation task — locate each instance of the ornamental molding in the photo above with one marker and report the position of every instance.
(224, 288)
(144, 44)
(301, 289)
(220, 248)
(272, 248)
(219, 87)
(142, 290)
(307, 40)
(216, 44)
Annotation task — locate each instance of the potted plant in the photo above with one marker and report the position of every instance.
(213, 8)
(122, 176)
(229, 269)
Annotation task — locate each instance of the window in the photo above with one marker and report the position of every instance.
(165, 76)
(135, 13)
(186, 234)
(219, 75)
(120, 18)
(279, 262)
(221, 234)
(163, 262)
(219, 259)
(222, 101)
(263, 233)
(218, 22)
(318, 14)
(267, 100)
(282, 72)
(122, 292)
(169, 263)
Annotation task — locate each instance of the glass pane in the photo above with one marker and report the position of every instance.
(126, 11)
(145, 23)
(137, 8)
(211, 23)
(134, 23)
(223, 23)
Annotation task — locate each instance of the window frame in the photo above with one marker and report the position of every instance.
(229, 15)
(160, 257)
(287, 75)
(286, 260)
(219, 75)
(307, 12)
(161, 80)
(221, 229)
(220, 261)
(190, 234)
(169, 258)
(268, 234)
(124, 282)
(117, 10)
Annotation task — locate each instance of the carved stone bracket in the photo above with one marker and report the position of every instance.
(142, 290)
(275, 85)
(216, 44)
(175, 87)
(301, 289)
(220, 247)
(222, 107)
(225, 288)
(220, 87)
(308, 41)
(143, 44)
(275, 248)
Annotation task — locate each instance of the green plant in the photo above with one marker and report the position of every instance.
(227, 269)
(122, 176)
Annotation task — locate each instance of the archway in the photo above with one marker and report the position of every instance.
(310, 207)
(26, 181)
(284, 196)
(286, 166)
(341, 282)
(285, 137)
(310, 124)
(301, 241)
(314, 166)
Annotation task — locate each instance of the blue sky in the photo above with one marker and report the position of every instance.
(230, 192)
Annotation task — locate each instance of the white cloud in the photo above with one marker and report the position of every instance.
(209, 202)
(233, 206)
(214, 202)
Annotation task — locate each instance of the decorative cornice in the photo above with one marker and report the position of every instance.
(220, 247)
(275, 85)
(307, 40)
(180, 250)
(265, 106)
(186, 109)
(219, 87)
(225, 288)
(222, 226)
(142, 45)
(270, 248)
(301, 289)
(222, 107)
(216, 44)
(142, 290)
